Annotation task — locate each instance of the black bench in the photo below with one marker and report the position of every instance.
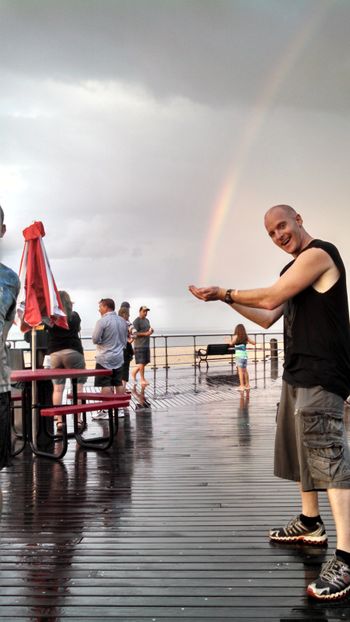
(214, 350)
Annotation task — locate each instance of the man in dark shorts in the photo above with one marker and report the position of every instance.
(311, 446)
(9, 289)
(141, 344)
(110, 336)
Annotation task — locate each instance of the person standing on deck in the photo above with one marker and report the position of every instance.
(311, 446)
(9, 290)
(110, 336)
(240, 341)
(124, 312)
(66, 351)
(142, 344)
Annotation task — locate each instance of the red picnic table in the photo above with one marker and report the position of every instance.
(31, 413)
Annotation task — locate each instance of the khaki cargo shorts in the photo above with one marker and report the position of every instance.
(311, 445)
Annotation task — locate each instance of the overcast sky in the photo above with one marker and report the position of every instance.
(150, 136)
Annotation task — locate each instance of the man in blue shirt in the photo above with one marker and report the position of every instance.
(110, 336)
(9, 289)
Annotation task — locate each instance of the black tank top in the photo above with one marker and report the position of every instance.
(61, 338)
(317, 333)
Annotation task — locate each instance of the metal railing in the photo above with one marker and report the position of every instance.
(171, 352)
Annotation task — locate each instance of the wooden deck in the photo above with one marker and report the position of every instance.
(169, 525)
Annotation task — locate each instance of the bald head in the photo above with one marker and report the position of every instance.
(286, 210)
(285, 228)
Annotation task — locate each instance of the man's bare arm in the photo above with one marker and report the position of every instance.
(262, 317)
(147, 333)
(312, 267)
(265, 305)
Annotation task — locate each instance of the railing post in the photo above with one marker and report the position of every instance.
(154, 360)
(194, 352)
(274, 358)
(166, 366)
(232, 361)
(194, 363)
(264, 360)
(255, 362)
(273, 348)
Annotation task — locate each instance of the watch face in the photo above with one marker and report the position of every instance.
(228, 298)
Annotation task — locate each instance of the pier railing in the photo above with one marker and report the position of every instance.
(174, 351)
(171, 352)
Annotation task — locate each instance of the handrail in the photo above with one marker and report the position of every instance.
(180, 349)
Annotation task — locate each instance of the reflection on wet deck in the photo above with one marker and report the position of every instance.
(170, 524)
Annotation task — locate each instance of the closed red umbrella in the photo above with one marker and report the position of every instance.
(38, 300)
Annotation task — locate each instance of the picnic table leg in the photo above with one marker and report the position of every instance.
(26, 418)
(98, 442)
(53, 455)
(75, 401)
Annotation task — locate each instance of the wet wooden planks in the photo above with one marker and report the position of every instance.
(170, 526)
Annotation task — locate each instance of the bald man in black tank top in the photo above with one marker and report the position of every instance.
(311, 446)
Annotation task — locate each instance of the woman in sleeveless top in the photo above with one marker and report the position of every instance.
(66, 351)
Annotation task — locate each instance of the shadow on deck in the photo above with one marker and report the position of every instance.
(168, 525)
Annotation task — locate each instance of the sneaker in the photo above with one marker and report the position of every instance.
(296, 531)
(100, 414)
(333, 582)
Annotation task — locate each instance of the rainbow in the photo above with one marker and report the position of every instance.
(250, 132)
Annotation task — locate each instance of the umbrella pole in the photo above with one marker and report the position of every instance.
(33, 349)
(34, 387)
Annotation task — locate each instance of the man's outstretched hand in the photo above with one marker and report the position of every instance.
(207, 293)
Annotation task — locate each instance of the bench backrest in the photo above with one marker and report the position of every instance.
(217, 348)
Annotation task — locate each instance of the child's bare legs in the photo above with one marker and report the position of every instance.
(241, 378)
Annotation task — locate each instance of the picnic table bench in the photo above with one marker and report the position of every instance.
(110, 403)
(213, 351)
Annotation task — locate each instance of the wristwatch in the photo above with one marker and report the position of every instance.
(228, 298)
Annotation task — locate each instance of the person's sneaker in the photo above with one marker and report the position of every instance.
(296, 531)
(100, 414)
(333, 582)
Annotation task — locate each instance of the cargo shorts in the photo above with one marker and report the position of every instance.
(311, 445)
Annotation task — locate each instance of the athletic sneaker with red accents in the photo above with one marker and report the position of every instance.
(296, 531)
(333, 582)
